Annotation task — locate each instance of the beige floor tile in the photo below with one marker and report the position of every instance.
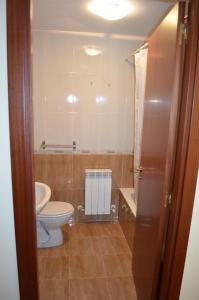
(62, 250)
(120, 245)
(99, 245)
(81, 246)
(121, 288)
(95, 258)
(79, 231)
(110, 245)
(89, 289)
(54, 267)
(54, 290)
(104, 230)
(95, 230)
(86, 266)
(117, 265)
(98, 229)
(41, 266)
(102, 246)
(111, 229)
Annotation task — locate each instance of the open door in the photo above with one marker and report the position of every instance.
(153, 187)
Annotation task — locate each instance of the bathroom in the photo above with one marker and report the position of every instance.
(88, 82)
(94, 260)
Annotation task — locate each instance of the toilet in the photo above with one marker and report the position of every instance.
(50, 219)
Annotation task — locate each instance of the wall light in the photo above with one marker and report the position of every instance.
(92, 50)
(110, 10)
(101, 99)
(72, 99)
(154, 101)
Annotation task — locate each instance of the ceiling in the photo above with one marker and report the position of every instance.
(73, 15)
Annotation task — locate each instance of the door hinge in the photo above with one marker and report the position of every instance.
(184, 25)
(167, 200)
(183, 33)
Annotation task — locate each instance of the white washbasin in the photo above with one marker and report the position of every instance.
(42, 195)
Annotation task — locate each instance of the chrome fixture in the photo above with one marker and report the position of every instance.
(127, 59)
(45, 146)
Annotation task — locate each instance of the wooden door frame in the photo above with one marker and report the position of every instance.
(20, 110)
(20, 114)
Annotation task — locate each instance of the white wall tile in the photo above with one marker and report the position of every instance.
(102, 117)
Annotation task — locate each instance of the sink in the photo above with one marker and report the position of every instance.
(42, 195)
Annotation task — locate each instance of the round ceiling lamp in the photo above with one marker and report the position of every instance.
(110, 10)
(92, 50)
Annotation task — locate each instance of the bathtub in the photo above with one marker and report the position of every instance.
(128, 194)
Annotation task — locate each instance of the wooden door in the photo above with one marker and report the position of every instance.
(153, 185)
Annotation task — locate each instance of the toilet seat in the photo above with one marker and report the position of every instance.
(55, 209)
(50, 220)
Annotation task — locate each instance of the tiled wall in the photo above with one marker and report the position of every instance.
(99, 116)
(64, 173)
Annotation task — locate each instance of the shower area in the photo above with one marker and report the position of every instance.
(84, 112)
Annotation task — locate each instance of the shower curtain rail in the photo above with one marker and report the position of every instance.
(45, 146)
(144, 46)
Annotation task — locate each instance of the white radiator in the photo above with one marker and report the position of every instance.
(98, 184)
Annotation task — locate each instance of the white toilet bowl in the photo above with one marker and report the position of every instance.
(49, 222)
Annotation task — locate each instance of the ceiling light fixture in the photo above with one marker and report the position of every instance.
(92, 50)
(110, 10)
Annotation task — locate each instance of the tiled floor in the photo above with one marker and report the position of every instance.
(93, 264)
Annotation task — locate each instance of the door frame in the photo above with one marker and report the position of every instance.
(21, 142)
(21, 129)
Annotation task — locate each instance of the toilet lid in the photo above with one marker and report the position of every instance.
(56, 208)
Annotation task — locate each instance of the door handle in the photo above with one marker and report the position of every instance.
(144, 169)
(139, 170)
(136, 170)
